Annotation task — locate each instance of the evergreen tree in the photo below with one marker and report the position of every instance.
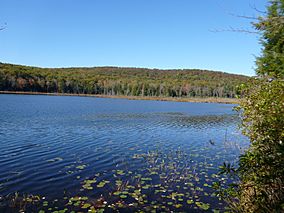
(271, 63)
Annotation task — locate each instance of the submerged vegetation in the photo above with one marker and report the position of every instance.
(114, 161)
(174, 181)
(115, 81)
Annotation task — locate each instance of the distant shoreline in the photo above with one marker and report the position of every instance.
(154, 98)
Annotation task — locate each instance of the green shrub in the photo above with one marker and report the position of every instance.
(261, 168)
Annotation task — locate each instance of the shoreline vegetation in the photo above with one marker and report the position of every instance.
(151, 98)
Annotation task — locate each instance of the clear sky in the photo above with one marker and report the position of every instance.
(133, 33)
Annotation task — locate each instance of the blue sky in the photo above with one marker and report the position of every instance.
(133, 33)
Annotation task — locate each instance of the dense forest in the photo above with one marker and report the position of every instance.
(120, 81)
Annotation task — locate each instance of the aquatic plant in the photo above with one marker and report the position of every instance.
(167, 181)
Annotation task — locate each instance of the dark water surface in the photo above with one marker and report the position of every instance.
(118, 154)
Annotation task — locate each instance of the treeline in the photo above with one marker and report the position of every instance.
(120, 81)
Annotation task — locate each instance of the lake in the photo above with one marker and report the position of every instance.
(95, 154)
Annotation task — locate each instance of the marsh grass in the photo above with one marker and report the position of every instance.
(152, 98)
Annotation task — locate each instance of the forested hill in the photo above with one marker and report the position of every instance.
(120, 81)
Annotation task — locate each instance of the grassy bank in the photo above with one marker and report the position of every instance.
(153, 98)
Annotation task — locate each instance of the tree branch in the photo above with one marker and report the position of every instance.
(243, 16)
(3, 27)
(235, 30)
(257, 10)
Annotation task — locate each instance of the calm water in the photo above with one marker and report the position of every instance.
(53, 146)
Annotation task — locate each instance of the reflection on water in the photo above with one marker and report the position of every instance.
(53, 145)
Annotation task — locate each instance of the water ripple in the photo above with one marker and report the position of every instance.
(50, 143)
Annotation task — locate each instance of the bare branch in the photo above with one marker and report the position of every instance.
(3, 27)
(236, 15)
(243, 16)
(257, 10)
(238, 30)
(235, 30)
